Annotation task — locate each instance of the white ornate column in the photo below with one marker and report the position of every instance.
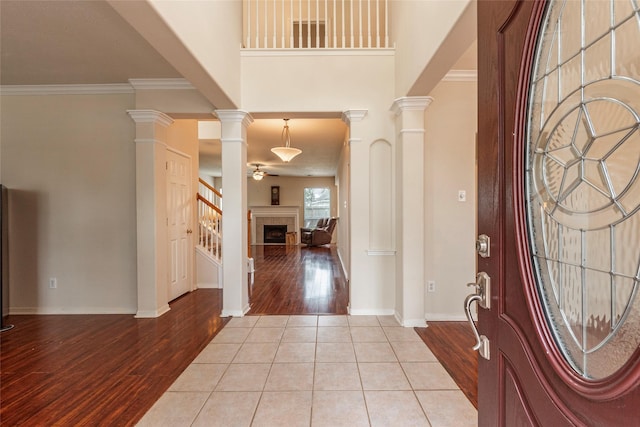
(410, 208)
(235, 296)
(151, 211)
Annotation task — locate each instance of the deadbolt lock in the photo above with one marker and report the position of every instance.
(483, 246)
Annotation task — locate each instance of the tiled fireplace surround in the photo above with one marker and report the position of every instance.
(272, 215)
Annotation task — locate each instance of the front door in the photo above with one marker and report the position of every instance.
(559, 195)
(178, 222)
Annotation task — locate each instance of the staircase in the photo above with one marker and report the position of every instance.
(209, 237)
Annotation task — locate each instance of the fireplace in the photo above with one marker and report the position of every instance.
(272, 215)
(275, 233)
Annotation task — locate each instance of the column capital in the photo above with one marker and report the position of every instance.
(350, 116)
(235, 116)
(411, 103)
(150, 116)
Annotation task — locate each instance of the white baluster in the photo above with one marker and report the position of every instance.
(275, 25)
(335, 27)
(377, 23)
(257, 25)
(369, 23)
(317, 23)
(352, 45)
(199, 223)
(282, 38)
(386, 23)
(266, 26)
(308, 23)
(299, 23)
(248, 24)
(326, 24)
(344, 34)
(360, 23)
(291, 26)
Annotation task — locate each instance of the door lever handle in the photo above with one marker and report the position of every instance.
(481, 296)
(467, 309)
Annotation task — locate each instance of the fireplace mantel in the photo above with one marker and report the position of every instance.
(262, 214)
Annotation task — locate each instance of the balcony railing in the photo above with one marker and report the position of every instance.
(317, 24)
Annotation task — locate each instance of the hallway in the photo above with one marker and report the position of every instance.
(298, 280)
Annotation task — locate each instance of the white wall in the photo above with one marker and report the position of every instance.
(322, 81)
(418, 29)
(291, 191)
(450, 225)
(212, 32)
(69, 162)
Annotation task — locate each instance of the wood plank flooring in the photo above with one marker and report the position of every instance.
(298, 280)
(451, 343)
(73, 370)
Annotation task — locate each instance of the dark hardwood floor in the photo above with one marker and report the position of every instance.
(298, 280)
(451, 343)
(77, 370)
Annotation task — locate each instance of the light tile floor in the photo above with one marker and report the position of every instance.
(314, 371)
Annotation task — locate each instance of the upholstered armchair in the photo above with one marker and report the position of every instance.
(321, 235)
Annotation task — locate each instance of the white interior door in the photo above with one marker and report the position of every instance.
(179, 222)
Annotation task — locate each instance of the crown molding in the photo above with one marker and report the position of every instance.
(98, 89)
(150, 116)
(237, 116)
(161, 84)
(89, 89)
(350, 116)
(461, 76)
(408, 103)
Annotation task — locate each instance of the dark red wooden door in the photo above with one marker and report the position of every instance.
(528, 380)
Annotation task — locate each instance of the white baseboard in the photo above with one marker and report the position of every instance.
(410, 323)
(150, 314)
(210, 285)
(414, 323)
(444, 317)
(79, 310)
(375, 312)
(235, 313)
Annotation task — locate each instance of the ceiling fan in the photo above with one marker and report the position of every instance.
(258, 173)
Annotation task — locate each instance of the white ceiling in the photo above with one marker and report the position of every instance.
(320, 140)
(87, 42)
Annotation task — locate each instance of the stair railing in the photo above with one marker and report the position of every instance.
(210, 193)
(209, 220)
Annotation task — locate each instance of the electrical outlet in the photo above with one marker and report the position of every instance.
(431, 286)
(53, 283)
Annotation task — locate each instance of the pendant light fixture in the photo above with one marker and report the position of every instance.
(286, 152)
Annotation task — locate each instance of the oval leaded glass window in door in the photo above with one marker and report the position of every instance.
(583, 180)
